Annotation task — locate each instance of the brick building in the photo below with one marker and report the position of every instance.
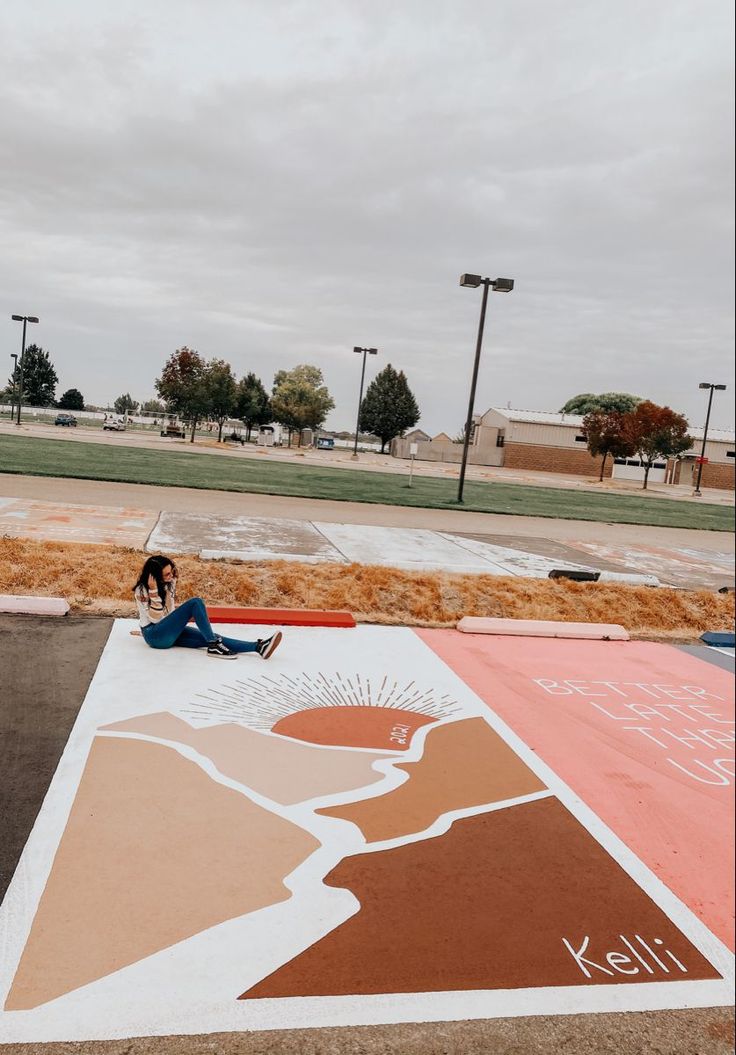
(535, 440)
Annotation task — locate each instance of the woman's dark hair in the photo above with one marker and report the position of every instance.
(155, 566)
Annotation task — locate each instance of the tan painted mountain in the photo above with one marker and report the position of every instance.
(281, 769)
(154, 851)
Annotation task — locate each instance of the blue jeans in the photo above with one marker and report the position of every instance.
(173, 630)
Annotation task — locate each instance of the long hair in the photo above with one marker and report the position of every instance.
(155, 566)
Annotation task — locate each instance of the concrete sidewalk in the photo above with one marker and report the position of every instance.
(676, 558)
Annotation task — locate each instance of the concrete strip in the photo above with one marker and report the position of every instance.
(66, 522)
(678, 565)
(18, 605)
(710, 655)
(513, 561)
(249, 555)
(403, 548)
(542, 628)
(628, 577)
(249, 537)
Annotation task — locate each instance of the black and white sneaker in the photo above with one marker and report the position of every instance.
(268, 645)
(220, 650)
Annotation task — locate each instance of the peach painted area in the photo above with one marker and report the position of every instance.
(387, 728)
(649, 752)
(66, 522)
(154, 851)
(282, 770)
(488, 905)
(464, 764)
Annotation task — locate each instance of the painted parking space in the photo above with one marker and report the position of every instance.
(318, 841)
(679, 565)
(67, 522)
(250, 538)
(643, 732)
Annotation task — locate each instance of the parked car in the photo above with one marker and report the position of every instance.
(114, 425)
(65, 419)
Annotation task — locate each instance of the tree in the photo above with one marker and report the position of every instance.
(253, 407)
(657, 432)
(608, 432)
(125, 404)
(39, 378)
(300, 399)
(222, 392)
(389, 407)
(153, 406)
(183, 386)
(587, 402)
(71, 400)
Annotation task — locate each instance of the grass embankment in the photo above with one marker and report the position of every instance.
(98, 579)
(91, 461)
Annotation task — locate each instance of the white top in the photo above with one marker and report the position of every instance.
(151, 607)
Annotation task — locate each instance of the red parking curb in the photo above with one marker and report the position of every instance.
(280, 616)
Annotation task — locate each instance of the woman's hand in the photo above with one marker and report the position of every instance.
(152, 585)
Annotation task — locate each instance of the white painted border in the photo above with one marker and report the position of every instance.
(60, 1020)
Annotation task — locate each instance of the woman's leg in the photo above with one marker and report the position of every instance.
(168, 631)
(239, 646)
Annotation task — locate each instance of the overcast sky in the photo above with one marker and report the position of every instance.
(273, 183)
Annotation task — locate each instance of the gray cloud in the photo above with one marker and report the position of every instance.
(275, 183)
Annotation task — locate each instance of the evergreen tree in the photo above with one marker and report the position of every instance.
(253, 407)
(39, 378)
(389, 407)
(71, 400)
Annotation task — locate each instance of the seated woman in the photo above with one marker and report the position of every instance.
(163, 625)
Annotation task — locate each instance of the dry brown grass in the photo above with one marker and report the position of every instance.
(98, 579)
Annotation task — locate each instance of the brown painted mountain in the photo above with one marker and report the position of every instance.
(514, 898)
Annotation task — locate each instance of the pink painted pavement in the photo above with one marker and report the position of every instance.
(641, 732)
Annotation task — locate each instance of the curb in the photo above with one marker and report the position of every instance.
(542, 628)
(16, 604)
(280, 616)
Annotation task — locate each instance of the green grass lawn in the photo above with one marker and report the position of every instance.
(92, 461)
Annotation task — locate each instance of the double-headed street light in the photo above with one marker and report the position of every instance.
(498, 285)
(365, 352)
(701, 459)
(24, 319)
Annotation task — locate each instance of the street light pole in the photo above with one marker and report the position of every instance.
(14, 357)
(498, 285)
(24, 319)
(365, 351)
(713, 388)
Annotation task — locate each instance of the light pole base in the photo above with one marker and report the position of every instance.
(354, 457)
(697, 494)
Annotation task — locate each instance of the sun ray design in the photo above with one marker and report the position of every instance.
(260, 703)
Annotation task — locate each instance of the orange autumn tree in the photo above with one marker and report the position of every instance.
(608, 432)
(657, 432)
